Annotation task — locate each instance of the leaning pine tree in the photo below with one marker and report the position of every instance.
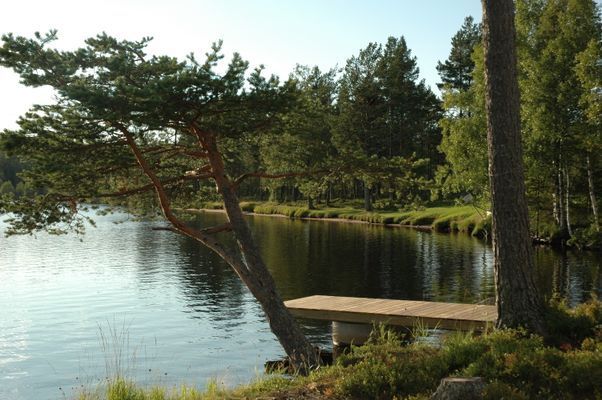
(518, 302)
(125, 124)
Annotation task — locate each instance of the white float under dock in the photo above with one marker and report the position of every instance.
(407, 313)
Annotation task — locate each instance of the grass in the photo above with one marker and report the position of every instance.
(442, 219)
(514, 365)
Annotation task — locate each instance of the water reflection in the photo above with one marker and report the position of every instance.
(191, 311)
(208, 284)
(574, 276)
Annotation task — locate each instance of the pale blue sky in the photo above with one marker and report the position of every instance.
(278, 34)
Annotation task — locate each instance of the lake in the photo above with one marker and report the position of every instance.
(160, 308)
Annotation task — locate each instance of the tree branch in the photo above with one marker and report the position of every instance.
(266, 175)
(168, 182)
(227, 227)
(178, 226)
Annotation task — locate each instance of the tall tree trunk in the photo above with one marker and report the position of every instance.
(555, 206)
(367, 198)
(248, 265)
(592, 192)
(259, 281)
(517, 300)
(561, 208)
(567, 196)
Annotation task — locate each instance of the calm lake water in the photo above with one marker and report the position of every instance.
(160, 308)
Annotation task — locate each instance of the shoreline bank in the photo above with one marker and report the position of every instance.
(454, 219)
(442, 220)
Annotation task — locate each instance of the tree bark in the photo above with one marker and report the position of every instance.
(592, 192)
(367, 198)
(567, 196)
(460, 389)
(248, 265)
(555, 205)
(259, 281)
(517, 300)
(561, 202)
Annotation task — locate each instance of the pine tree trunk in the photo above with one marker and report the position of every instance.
(367, 198)
(260, 282)
(310, 203)
(517, 300)
(592, 193)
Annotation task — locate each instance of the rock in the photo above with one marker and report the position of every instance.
(459, 389)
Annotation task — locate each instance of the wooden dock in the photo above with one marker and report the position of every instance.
(408, 313)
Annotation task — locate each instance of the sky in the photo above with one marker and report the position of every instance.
(276, 33)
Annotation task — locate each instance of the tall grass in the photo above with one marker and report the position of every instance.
(514, 365)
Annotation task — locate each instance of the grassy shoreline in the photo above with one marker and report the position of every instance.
(465, 219)
(513, 364)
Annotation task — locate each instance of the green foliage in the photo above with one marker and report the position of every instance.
(9, 169)
(7, 188)
(515, 366)
(113, 96)
(377, 127)
(587, 237)
(570, 327)
(383, 368)
(499, 390)
(303, 143)
(464, 136)
(457, 71)
(123, 389)
(556, 79)
(464, 219)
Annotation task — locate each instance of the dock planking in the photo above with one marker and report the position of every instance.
(428, 314)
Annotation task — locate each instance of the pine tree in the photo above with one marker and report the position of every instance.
(127, 124)
(457, 71)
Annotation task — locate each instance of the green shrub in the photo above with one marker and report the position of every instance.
(462, 349)
(571, 326)
(589, 237)
(515, 366)
(528, 367)
(384, 368)
(499, 390)
(482, 228)
(248, 206)
(385, 373)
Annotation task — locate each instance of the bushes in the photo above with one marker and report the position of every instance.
(536, 371)
(383, 368)
(515, 365)
(570, 327)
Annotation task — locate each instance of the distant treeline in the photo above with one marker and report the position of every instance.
(373, 131)
(9, 178)
(397, 145)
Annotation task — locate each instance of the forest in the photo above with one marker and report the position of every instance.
(164, 135)
(373, 135)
